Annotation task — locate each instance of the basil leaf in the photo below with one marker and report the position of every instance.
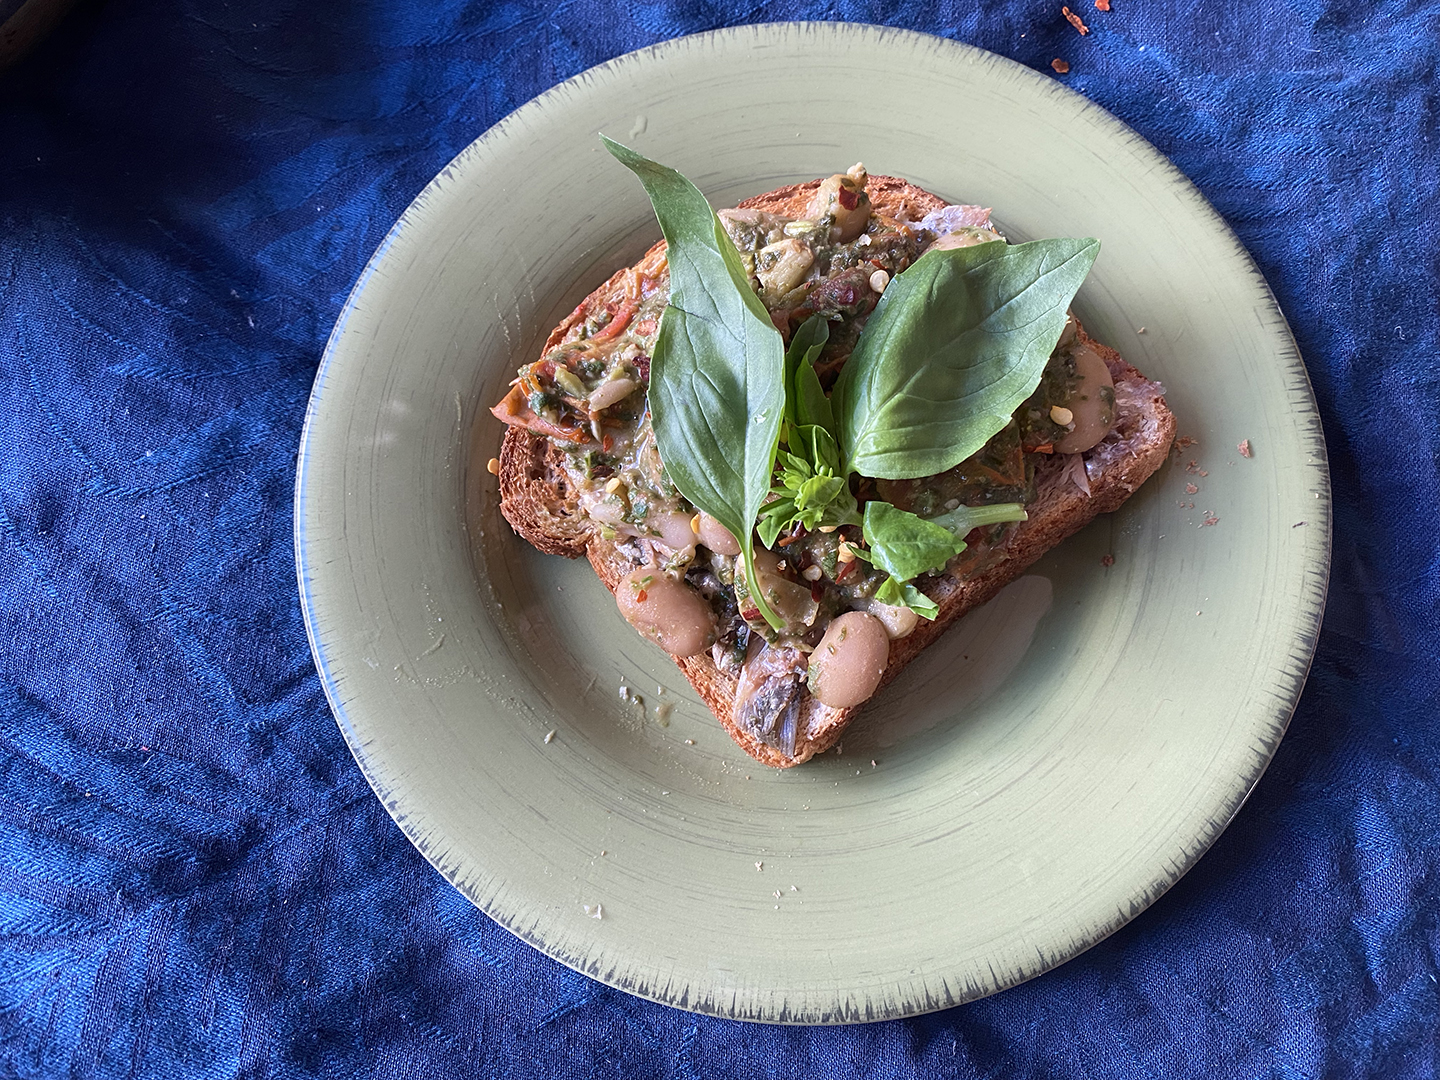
(960, 521)
(807, 403)
(775, 518)
(904, 545)
(818, 492)
(816, 446)
(902, 594)
(717, 376)
(955, 345)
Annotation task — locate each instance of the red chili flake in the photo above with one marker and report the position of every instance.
(817, 592)
(607, 442)
(750, 614)
(1074, 20)
(847, 198)
(1107, 560)
(1060, 66)
(1244, 448)
(1210, 519)
(641, 596)
(1191, 489)
(1102, 5)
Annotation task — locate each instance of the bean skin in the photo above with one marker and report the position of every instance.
(1091, 403)
(846, 666)
(668, 612)
(716, 537)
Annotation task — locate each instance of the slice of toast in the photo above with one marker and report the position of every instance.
(1070, 491)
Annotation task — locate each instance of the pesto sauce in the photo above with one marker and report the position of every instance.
(621, 479)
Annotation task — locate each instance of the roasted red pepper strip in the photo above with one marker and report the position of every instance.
(617, 325)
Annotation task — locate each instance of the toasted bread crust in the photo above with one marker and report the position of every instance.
(536, 501)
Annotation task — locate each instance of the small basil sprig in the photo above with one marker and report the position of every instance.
(717, 376)
(957, 342)
(811, 492)
(806, 402)
(899, 593)
(903, 594)
(906, 546)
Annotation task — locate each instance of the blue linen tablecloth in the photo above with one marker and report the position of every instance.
(195, 880)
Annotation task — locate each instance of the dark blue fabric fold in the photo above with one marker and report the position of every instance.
(195, 880)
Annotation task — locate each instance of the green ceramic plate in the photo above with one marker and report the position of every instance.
(1031, 783)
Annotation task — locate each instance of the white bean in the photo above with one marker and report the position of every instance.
(847, 665)
(666, 611)
(968, 236)
(849, 221)
(900, 621)
(1091, 403)
(783, 265)
(716, 537)
(792, 601)
(673, 528)
(608, 393)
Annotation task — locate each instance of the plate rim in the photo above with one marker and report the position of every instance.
(1302, 648)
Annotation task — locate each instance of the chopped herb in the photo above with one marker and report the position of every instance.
(543, 402)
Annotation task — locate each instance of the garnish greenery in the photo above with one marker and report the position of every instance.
(958, 341)
(717, 378)
(906, 546)
(805, 400)
(811, 492)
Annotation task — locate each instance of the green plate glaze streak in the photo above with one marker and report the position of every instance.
(1041, 775)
